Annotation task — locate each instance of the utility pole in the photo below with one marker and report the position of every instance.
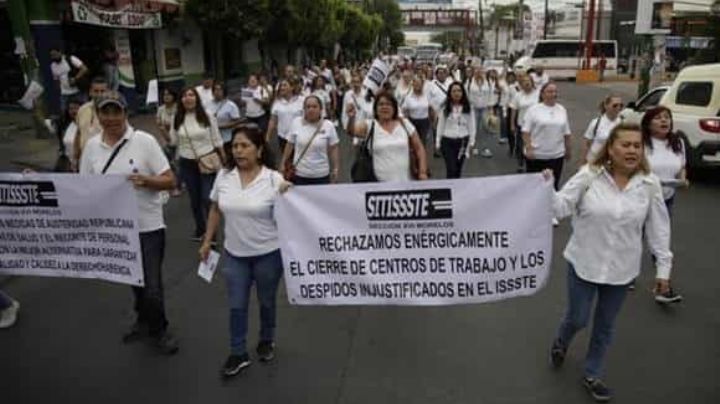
(482, 27)
(589, 36)
(545, 20)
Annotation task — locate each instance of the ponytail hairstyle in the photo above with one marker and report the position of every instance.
(605, 100)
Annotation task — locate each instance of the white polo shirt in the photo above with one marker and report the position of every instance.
(547, 127)
(416, 106)
(141, 154)
(316, 162)
(250, 228)
(286, 111)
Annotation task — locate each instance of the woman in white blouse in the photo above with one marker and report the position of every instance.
(456, 130)
(312, 146)
(665, 151)
(599, 128)
(355, 98)
(546, 134)
(416, 107)
(198, 140)
(611, 201)
(286, 107)
(164, 120)
(478, 93)
(393, 140)
(244, 195)
(526, 96)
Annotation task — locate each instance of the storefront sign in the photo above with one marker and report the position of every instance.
(417, 243)
(88, 14)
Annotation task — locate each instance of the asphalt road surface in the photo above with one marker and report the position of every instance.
(66, 345)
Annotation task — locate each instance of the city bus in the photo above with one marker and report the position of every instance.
(561, 59)
(428, 52)
(407, 52)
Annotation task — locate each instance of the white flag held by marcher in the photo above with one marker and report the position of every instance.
(419, 243)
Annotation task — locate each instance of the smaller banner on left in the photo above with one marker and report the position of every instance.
(72, 226)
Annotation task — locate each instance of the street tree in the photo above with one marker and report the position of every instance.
(228, 19)
(390, 36)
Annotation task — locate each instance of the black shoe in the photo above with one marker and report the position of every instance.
(597, 389)
(668, 297)
(234, 364)
(166, 344)
(557, 354)
(437, 154)
(266, 351)
(137, 332)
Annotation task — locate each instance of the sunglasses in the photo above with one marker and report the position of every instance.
(618, 105)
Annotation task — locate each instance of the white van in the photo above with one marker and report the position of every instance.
(694, 100)
(562, 58)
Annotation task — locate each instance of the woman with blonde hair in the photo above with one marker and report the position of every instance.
(614, 201)
(599, 128)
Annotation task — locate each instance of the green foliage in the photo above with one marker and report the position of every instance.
(389, 12)
(237, 18)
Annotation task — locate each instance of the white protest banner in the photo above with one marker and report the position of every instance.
(86, 13)
(376, 76)
(67, 225)
(420, 243)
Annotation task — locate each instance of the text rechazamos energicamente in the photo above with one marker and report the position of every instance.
(409, 241)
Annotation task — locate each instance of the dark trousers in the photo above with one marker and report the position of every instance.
(453, 152)
(556, 165)
(149, 301)
(298, 180)
(198, 186)
(509, 127)
(261, 121)
(423, 128)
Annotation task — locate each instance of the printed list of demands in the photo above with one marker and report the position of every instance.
(40, 241)
(482, 265)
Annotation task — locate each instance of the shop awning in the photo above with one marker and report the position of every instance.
(129, 14)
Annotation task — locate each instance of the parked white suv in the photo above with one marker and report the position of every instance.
(694, 99)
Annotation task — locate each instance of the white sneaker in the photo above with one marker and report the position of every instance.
(486, 153)
(475, 152)
(555, 222)
(9, 315)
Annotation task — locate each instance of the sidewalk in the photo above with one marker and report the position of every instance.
(21, 148)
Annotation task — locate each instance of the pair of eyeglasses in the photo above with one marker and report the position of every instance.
(618, 105)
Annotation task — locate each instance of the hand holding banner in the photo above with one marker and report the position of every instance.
(429, 243)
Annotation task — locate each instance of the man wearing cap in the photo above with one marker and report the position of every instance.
(122, 150)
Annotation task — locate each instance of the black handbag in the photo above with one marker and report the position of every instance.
(363, 169)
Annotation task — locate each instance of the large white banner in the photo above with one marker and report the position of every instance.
(68, 225)
(421, 243)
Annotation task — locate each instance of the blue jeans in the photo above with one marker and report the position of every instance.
(5, 301)
(198, 187)
(481, 133)
(581, 294)
(240, 272)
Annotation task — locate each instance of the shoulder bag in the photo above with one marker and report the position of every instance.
(208, 163)
(289, 168)
(363, 169)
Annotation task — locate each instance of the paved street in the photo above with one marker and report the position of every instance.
(66, 345)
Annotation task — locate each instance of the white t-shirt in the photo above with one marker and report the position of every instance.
(548, 127)
(324, 96)
(69, 138)
(402, 91)
(522, 101)
(477, 93)
(141, 154)
(250, 228)
(540, 80)
(195, 140)
(316, 162)
(600, 135)
(224, 111)
(206, 96)
(416, 106)
(437, 94)
(61, 72)
(286, 111)
(665, 163)
(252, 98)
(391, 152)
